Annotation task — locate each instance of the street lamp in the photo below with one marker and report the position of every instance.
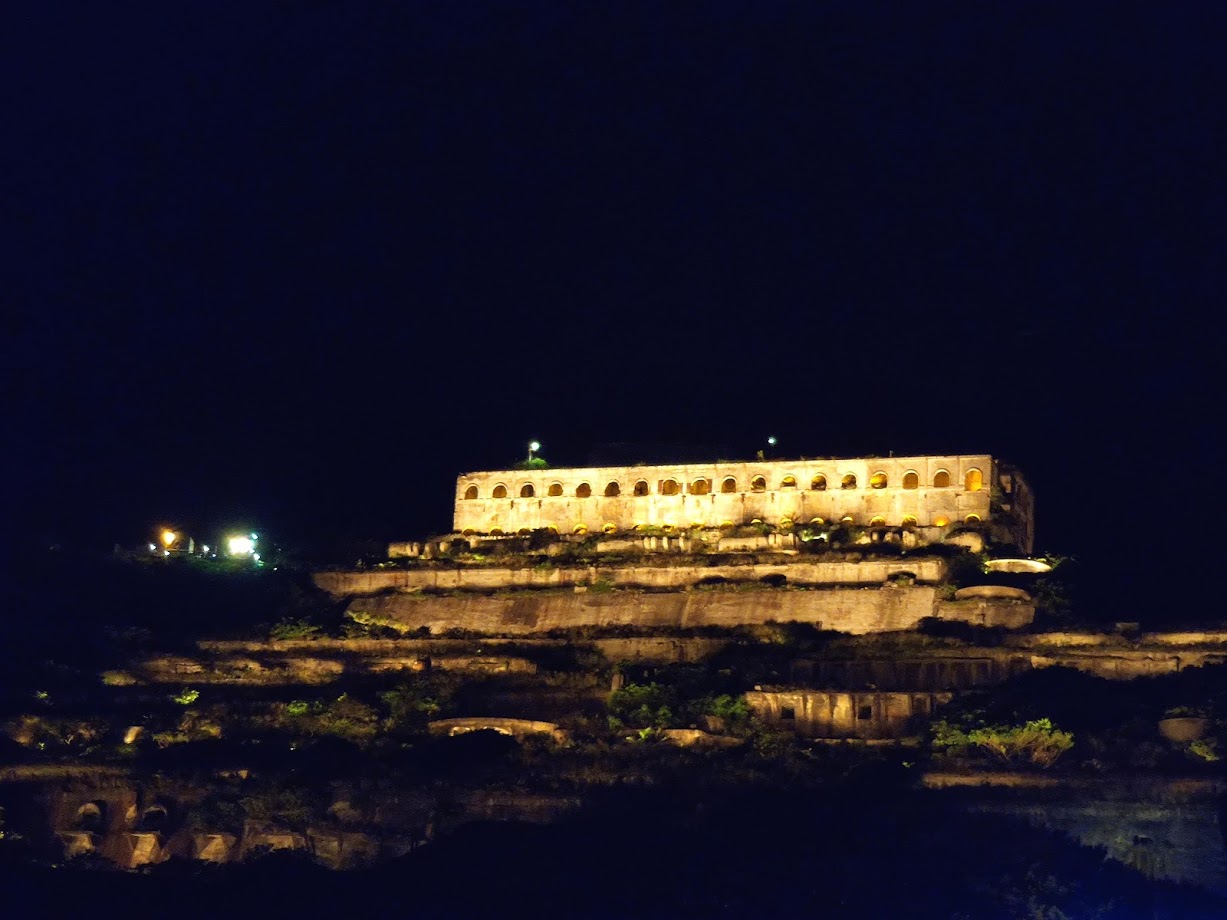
(533, 447)
(169, 537)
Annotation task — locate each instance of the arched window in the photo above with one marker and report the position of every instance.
(849, 482)
(729, 485)
(552, 528)
(641, 487)
(758, 484)
(941, 480)
(727, 525)
(788, 482)
(500, 491)
(555, 490)
(580, 529)
(786, 524)
(496, 531)
(909, 520)
(669, 487)
(527, 490)
(972, 519)
(470, 493)
(700, 487)
(817, 520)
(467, 532)
(818, 483)
(583, 490)
(878, 521)
(877, 480)
(846, 519)
(524, 531)
(941, 520)
(911, 480)
(974, 481)
(610, 527)
(613, 490)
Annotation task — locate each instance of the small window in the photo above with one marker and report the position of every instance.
(846, 519)
(610, 527)
(583, 490)
(641, 487)
(580, 529)
(788, 713)
(849, 482)
(700, 487)
(669, 487)
(941, 520)
(613, 490)
(727, 525)
(864, 712)
(524, 531)
(729, 485)
(758, 484)
(818, 483)
(877, 480)
(911, 480)
(817, 520)
(972, 519)
(974, 481)
(500, 491)
(527, 491)
(878, 521)
(788, 482)
(941, 480)
(909, 520)
(555, 490)
(470, 493)
(496, 531)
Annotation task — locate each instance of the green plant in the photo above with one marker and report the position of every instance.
(1037, 742)
(295, 629)
(186, 697)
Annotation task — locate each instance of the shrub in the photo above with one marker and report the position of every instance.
(1037, 742)
(295, 629)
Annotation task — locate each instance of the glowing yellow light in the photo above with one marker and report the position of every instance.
(169, 537)
(239, 546)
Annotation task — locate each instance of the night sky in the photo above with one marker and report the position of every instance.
(297, 265)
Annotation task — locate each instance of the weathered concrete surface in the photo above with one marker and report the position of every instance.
(928, 570)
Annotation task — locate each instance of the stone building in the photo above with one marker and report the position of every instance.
(930, 494)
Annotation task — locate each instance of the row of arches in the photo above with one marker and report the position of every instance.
(908, 520)
(973, 481)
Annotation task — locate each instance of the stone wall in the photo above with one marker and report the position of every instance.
(837, 714)
(492, 578)
(620, 498)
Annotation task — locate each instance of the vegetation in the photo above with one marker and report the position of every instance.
(1036, 743)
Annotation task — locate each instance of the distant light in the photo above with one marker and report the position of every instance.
(152, 548)
(534, 445)
(169, 537)
(205, 549)
(254, 538)
(165, 552)
(255, 556)
(240, 546)
(771, 441)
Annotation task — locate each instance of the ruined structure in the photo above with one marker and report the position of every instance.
(928, 495)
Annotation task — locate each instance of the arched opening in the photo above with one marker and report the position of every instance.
(877, 521)
(941, 520)
(641, 487)
(496, 531)
(552, 528)
(909, 520)
(877, 480)
(555, 490)
(974, 481)
(527, 490)
(610, 527)
(154, 818)
(696, 525)
(758, 484)
(727, 525)
(849, 482)
(669, 487)
(785, 524)
(818, 483)
(816, 520)
(941, 480)
(972, 519)
(911, 480)
(583, 490)
(729, 485)
(613, 490)
(846, 519)
(500, 491)
(756, 520)
(788, 482)
(700, 487)
(470, 493)
(90, 815)
(467, 532)
(580, 529)
(524, 531)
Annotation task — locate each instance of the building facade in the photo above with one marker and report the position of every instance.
(931, 494)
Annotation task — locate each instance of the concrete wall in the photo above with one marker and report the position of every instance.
(699, 495)
(848, 610)
(837, 714)
(490, 578)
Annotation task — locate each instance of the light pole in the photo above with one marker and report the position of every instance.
(533, 447)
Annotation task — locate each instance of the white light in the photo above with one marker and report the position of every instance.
(255, 556)
(254, 538)
(239, 546)
(771, 441)
(534, 446)
(206, 548)
(152, 548)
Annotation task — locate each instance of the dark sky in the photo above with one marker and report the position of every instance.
(299, 264)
